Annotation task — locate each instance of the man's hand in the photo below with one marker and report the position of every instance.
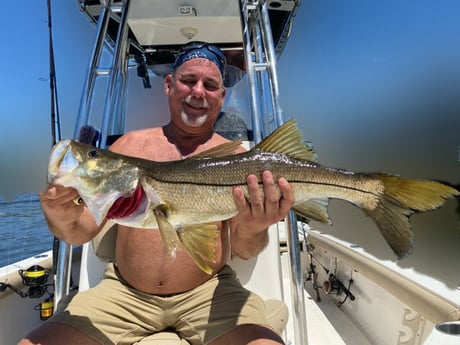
(248, 230)
(57, 203)
(67, 219)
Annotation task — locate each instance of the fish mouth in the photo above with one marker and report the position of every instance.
(61, 160)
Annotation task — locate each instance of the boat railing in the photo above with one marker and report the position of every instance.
(260, 62)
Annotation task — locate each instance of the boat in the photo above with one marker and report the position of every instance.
(319, 289)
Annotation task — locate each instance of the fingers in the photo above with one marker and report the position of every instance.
(255, 196)
(287, 199)
(56, 195)
(245, 207)
(279, 197)
(271, 201)
(267, 205)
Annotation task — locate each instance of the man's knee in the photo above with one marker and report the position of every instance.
(57, 334)
(250, 335)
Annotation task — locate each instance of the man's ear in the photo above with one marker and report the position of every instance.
(167, 85)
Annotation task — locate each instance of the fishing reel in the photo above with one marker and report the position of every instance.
(35, 278)
(46, 308)
(333, 286)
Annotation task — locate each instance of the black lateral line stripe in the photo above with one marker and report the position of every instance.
(204, 183)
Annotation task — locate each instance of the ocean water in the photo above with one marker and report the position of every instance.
(23, 229)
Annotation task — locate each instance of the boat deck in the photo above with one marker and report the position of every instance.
(326, 324)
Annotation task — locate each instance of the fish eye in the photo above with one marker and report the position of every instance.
(93, 154)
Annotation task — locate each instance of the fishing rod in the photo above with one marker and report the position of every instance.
(54, 104)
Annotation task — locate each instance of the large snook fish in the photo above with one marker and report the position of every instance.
(184, 199)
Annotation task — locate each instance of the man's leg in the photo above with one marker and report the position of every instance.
(57, 334)
(222, 311)
(249, 335)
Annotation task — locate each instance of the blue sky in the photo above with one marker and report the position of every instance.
(351, 71)
(374, 85)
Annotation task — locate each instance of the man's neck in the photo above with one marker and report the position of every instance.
(187, 143)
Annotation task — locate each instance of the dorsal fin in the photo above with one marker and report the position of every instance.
(288, 140)
(221, 150)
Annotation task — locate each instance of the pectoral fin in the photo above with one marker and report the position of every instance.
(200, 242)
(168, 234)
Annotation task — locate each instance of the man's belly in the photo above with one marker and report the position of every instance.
(144, 264)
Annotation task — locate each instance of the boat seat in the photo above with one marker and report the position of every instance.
(261, 274)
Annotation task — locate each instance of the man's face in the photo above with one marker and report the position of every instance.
(195, 92)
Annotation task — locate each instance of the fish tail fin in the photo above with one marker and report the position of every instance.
(402, 198)
(200, 242)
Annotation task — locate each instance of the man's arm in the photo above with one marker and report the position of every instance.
(249, 229)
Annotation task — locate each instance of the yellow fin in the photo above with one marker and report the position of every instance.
(221, 150)
(418, 195)
(315, 209)
(168, 234)
(401, 198)
(200, 242)
(288, 140)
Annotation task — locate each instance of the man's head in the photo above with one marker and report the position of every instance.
(195, 89)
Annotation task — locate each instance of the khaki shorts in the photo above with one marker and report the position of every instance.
(114, 313)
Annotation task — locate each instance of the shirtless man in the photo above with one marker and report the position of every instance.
(144, 291)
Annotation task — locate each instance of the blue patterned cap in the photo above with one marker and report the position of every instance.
(202, 50)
